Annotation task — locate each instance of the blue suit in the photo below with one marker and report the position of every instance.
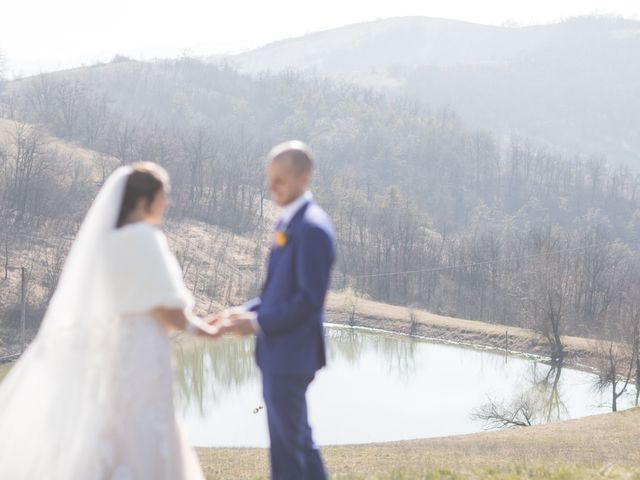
(290, 348)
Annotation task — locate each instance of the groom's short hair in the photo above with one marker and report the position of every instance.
(298, 153)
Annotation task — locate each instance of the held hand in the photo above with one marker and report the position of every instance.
(234, 321)
(214, 318)
(203, 327)
(221, 328)
(243, 323)
(218, 317)
(209, 331)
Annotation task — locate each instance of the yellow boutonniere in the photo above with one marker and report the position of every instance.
(280, 239)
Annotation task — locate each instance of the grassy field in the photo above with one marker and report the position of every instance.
(602, 446)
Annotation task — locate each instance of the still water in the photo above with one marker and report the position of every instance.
(377, 387)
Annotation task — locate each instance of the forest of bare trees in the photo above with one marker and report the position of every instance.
(428, 213)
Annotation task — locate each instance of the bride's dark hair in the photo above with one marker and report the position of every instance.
(146, 180)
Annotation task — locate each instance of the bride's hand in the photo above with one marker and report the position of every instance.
(219, 328)
(203, 327)
(226, 314)
(217, 324)
(224, 319)
(211, 331)
(213, 318)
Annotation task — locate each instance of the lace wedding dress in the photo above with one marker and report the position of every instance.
(92, 397)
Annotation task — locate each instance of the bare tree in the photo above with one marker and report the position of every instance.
(351, 300)
(125, 136)
(413, 321)
(550, 299)
(53, 262)
(615, 369)
(521, 412)
(24, 164)
(539, 403)
(69, 98)
(39, 101)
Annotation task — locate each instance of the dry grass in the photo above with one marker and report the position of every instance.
(67, 154)
(602, 446)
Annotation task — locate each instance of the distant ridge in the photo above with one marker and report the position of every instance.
(573, 84)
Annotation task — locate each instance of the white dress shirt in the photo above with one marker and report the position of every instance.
(289, 211)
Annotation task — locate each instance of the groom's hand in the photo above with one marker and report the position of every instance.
(216, 325)
(213, 318)
(216, 318)
(243, 323)
(235, 321)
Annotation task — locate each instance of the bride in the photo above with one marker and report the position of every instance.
(92, 398)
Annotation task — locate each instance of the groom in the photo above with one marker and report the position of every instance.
(288, 316)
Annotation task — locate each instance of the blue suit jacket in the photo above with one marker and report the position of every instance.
(291, 307)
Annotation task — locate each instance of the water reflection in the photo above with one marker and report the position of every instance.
(349, 344)
(209, 370)
(546, 386)
(538, 402)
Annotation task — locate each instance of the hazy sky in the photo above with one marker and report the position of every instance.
(47, 34)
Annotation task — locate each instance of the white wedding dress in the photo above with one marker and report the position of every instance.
(146, 438)
(92, 397)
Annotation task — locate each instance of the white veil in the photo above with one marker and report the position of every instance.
(54, 402)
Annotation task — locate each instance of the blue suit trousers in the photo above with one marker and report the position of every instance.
(294, 455)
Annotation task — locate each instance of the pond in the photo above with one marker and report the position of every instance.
(377, 387)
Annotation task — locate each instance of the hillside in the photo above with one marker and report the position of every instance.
(572, 85)
(429, 214)
(395, 42)
(221, 268)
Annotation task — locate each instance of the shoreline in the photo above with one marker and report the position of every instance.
(580, 352)
(449, 342)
